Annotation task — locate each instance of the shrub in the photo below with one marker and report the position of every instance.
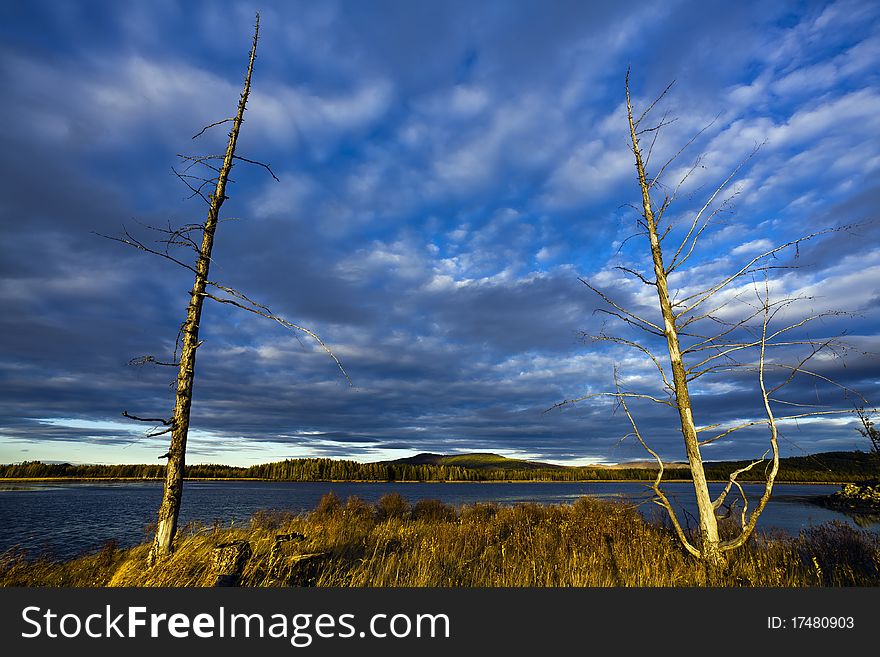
(392, 505)
(328, 505)
(835, 548)
(433, 511)
(588, 506)
(356, 508)
(271, 519)
(479, 512)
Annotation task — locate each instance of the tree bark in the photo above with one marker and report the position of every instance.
(174, 472)
(709, 539)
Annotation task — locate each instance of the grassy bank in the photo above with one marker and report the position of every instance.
(588, 543)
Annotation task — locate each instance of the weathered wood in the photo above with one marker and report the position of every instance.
(174, 470)
(304, 569)
(298, 569)
(709, 544)
(229, 560)
(282, 539)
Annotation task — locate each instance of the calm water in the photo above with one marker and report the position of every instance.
(67, 519)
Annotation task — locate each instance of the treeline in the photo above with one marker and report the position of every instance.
(38, 470)
(331, 469)
(830, 466)
(323, 469)
(827, 466)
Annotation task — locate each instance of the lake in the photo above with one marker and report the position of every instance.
(68, 518)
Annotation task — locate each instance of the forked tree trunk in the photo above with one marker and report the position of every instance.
(709, 543)
(174, 472)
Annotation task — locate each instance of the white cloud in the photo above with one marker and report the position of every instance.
(287, 198)
(589, 172)
(753, 247)
(282, 112)
(466, 101)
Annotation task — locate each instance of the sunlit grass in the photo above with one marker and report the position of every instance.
(586, 544)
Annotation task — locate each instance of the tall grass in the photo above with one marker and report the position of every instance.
(586, 544)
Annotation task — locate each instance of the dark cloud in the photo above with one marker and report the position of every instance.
(448, 172)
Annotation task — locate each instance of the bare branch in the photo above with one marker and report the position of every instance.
(627, 320)
(672, 159)
(152, 420)
(663, 500)
(211, 125)
(143, 360)
(662, 124)
(684, 178)
(749, 526)
(636, 345)
(676, 263)
(638, 275)
(652, 105)
(797, 368)
(728, 348)
(645, 323)
(200, 159)
(265, 166)
(783, 366)
(733, 475)
(616, 395)
(262, 311)
(628, 238)
(703, 295)
(654, 140)
(791, 403)
(659, 216)
(239, 295)
(160, 433)
(131, 241)
(783, 418)
(711, 314)
(745, 500)
(195, 191)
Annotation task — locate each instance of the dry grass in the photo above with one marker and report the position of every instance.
(588, 543)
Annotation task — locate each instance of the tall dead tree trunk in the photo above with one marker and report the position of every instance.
(170, 508)
(708, 523)
(709, 331)
(188, 342)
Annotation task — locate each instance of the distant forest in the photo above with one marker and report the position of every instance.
(824, 467)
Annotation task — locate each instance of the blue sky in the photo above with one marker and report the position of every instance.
(448, 171)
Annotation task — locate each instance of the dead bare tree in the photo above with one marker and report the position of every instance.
(218, 168)
(869, 429)
(730, 326)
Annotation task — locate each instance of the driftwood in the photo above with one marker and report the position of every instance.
(301, 569)
(229, 562)
(281, 539)
(285, 569)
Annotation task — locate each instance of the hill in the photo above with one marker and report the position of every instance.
(824, 466)
(474, 461)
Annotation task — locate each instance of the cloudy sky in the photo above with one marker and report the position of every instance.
(448, 172)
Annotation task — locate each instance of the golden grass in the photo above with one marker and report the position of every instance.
(587, 544)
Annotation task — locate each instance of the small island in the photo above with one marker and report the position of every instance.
(861, 499)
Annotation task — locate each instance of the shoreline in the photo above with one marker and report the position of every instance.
(394, 481)
(589, 543)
